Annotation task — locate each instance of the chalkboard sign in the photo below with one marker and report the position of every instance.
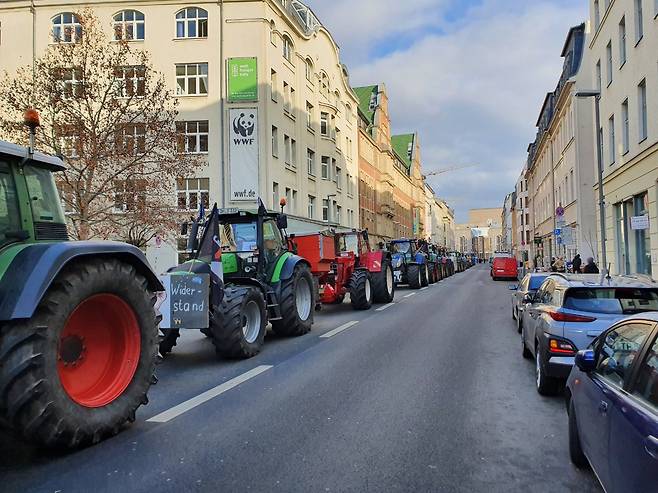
(186, 305)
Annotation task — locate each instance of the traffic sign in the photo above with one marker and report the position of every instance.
(559, 212)
(557, 232)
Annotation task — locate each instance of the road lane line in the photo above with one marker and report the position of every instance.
(409, 295)
(423, 289)
(382, 308)
(183, 407)
(340, 329)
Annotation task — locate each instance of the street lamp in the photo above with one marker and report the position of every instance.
(596, 94)
(329, 206)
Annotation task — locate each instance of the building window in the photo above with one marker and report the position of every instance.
(625, 136)
(132, 139)
(293, 209)
(325, 167)
(192, 79)
(310, 162)
(598, 75)
(293, 153)
(633, 246)
(338, 213)
(289, 198)
(324, 124)
(129, 25)
(287, 48)
(309, 70)
(66, 28)
(71, 83)
(275, 195)
(339, 178)
(622, 42)
(611, 136)
(192, 192)
(132, 81)
(309, 115)
(639, 21)
(275, 141)
(286, 149)
(274, 89)
(642, 107)
(337, 136)
(608, 53)
(193, 136)
(310, 211)
(325, 210)
(324, 85)
(129, 195)
(192, 22)
(597, 15)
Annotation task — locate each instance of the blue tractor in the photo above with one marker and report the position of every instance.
(409, 263)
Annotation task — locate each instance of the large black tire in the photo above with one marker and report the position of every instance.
(545, 385)
(294, 323)
(168, 340)
(525, 352)
(383, 284)
(34, 401)
(360, 290)
(240, 307)
(576, 453)
(414, 276)
(424, 274)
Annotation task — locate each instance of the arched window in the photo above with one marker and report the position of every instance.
(192, 22)
(336, 98)
(129, 25)
(348, 112)
(287, 48)
(309, 70)
(66, 28)
(324, 85)
(272, 33)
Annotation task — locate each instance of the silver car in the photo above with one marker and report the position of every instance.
(569, 311)
(522, 294)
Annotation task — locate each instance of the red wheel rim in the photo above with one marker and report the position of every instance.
(99, 350)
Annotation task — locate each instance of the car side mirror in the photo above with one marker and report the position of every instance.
(586, 360)
(282, 221)
(529, 298)
(183, 229)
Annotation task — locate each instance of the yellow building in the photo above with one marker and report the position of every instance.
(482, 234)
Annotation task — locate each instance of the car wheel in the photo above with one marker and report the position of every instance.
(513, 313)
(545, 385)
(519, 323)
(526, 352)
(576, 453)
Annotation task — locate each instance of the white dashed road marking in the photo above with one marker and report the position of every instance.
(183, 407)
(423, 289)
(409, 295)
(382, 308)
(340, 329)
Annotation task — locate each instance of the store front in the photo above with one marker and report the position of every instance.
(633, 240)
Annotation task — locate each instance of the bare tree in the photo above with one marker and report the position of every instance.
(105, 109)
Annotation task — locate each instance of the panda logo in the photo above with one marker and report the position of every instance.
(244, 125)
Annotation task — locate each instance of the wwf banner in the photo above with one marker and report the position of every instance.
(243, 154)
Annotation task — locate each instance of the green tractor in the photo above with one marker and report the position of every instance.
(78, 327)
(253, 279)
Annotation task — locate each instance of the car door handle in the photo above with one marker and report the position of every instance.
(651, 446)
(603, 408)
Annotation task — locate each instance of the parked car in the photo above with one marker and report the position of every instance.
(612, 401)
(504, 268)
(524, 292)
(569, 311)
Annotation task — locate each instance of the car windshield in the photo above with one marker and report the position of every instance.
(536, 282)
(612, 300)
(402, 247)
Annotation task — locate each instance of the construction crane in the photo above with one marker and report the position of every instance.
(447, 170)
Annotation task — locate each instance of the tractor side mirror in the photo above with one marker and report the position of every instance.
(183, 229)
(366, 237)
(282, 221)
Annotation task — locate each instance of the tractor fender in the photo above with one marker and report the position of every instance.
(36, 266)
(289, 265)
(420, 258)
(373, 261)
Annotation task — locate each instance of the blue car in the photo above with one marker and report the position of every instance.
(612, 402)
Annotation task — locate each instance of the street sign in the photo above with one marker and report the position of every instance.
(557, 232)
(559, 212)
(640, 222)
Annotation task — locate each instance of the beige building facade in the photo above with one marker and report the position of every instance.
(623, 49)
(303, 109)
(482, 234)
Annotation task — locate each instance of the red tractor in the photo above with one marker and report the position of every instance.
(343, 262)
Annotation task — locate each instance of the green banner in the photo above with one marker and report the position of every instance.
(242, 79)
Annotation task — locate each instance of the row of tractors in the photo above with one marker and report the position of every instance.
(82, 323)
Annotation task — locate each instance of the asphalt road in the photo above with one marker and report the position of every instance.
(430, 394)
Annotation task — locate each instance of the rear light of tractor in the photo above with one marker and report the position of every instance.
(569, 317)
(559, 346)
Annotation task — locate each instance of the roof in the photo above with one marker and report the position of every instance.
(364, 95)
(598, 281)
(400, 145)
(13, 150)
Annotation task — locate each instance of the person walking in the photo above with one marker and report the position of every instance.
(591, 267)
(558, 265)
(576, 264)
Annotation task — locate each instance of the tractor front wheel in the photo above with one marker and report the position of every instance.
(360, 290)
(76, 371)
(238, 325)
(296, 303)
(414, 276)
(383, 284)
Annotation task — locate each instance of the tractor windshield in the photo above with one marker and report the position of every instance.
(402, 247)
(239, 237)
(349, 243)
(9, 214)
(44, 199)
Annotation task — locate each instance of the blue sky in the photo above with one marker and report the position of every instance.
(468, 75)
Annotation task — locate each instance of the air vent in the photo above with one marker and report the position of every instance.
(50, 231)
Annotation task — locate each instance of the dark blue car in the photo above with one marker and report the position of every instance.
(612, 401)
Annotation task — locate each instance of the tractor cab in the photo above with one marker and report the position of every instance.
(30, 209)
(355, 242)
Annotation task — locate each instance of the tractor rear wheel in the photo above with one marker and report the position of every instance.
(424, 275)
(78, 370)
(360, 290)
(432, 278)
(414, 276)
(238, 325)
(383, 284)
(296, 303)
(168, 340)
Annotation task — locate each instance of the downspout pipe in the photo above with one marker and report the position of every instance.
(222, 108)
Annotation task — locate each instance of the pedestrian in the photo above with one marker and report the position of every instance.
(591, 267)
(576, 263)
(553, 266)
(558, 265)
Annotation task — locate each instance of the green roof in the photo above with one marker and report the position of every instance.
(364, 94)
(400, 145)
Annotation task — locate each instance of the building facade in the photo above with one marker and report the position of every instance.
(623, 47)
(507, 226)
(482, 234)
(235, 66)
(522, 230)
